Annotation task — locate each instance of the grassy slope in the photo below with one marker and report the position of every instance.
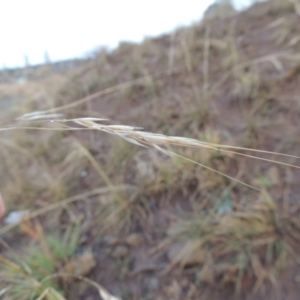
(166, 228)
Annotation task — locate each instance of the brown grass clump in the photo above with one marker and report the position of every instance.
(227, 244)
(186, 208)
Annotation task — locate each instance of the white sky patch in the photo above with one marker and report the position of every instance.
(72, 28)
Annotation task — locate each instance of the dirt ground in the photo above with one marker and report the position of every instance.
(154, 226)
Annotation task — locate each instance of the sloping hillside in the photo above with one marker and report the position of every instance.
(182, 223)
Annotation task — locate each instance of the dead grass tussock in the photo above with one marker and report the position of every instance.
(218, 242)
(43, 269)
(25, 273)
(173, 175)
(35, 172)
(29, 162)
(80, 197)
(120, 212)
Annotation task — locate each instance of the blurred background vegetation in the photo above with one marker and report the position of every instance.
(100, 211)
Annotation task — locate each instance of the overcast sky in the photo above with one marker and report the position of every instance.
(72, 28)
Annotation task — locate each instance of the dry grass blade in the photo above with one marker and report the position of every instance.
(102, 291)
(206, 167)
(81, 197)
(110, 90)
(3, 291)
(148, 139)
(51, 294)
(38, 115)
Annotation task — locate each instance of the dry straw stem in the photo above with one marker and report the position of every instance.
(270, 57)
(105, 295)
(159, 142)
(113, 89)
(81, 197)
